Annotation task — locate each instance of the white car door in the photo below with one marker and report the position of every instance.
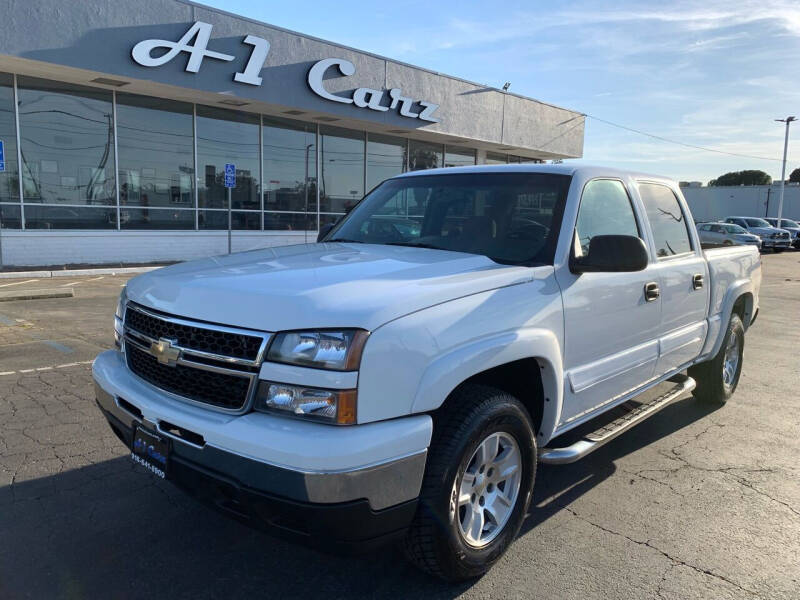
(610, 328)
(682, 273)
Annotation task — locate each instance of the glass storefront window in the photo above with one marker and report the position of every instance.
(9, 178)
(454, 156)
(67, 143)
(69, 217)
(341, 169)
(290, 221)
(225, 136)
(386, 157)
(290, 166)
(424, 155)
(10, 216)
(156, 152)
(495, 158)
(156, 218)
(218, 219)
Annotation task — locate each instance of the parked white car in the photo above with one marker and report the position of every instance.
(726, 234)
(403, 383)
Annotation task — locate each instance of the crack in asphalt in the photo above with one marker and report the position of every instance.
(675, 561)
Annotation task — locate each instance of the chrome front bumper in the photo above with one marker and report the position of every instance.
(384, 482)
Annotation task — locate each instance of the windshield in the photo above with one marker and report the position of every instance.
(513, 218)
(789, 223)
(735, 229)
(756, 223)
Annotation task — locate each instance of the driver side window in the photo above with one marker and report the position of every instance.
(605, 210)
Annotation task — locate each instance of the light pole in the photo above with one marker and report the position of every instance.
(788, 121)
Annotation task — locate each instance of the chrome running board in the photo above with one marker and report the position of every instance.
(592, 441)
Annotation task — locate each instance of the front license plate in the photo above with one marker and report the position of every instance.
(151, 451)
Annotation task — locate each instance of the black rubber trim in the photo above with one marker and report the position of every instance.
(342, 527)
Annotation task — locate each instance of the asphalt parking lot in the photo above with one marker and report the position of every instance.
(697, 502)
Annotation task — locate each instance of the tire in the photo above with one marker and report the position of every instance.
(713, 384)
(474, 416)
(778, 250)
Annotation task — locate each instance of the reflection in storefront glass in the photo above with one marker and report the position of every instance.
(227, 137)
(67, 144)
(341, 169)
(156, 154)
(424, 155)
(386, 157)
(290, 166)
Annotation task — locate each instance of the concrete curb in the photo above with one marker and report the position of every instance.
(75, 272)
(36, 294)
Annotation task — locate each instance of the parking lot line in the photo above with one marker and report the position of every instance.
(69, 284)
(18, 283)
(35, 369)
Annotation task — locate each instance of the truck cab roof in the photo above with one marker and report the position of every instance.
(588, 171)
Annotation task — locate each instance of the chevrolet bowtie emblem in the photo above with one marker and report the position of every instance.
(165, 352)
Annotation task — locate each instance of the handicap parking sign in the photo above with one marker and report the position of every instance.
(2, 157)
(230, 175)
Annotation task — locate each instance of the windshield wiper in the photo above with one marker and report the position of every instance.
(414, 245)
(346, 241)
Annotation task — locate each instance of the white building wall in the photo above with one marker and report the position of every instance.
(714, 203)
(48, 248)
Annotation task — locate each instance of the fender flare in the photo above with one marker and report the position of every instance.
(451, 369)
(719, 322)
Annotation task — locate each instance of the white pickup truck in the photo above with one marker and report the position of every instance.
(403, 377)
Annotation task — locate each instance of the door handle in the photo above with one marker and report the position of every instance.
(697, 281)
(651, 291)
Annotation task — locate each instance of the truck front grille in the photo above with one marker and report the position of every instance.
(209, 364)
(226, 391)
(197, 337)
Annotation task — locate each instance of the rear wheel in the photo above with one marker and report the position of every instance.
(717, 378)
(477, 487)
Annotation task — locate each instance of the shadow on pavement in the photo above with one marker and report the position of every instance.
(110, 530)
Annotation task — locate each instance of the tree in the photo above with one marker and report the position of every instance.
(749, 177)
(795, 176)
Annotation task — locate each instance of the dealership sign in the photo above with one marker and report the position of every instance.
(195, 43)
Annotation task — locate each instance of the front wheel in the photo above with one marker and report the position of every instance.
(477, 487)
(717, 378)
(778, 250)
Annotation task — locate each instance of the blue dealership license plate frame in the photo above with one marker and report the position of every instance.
(152, 451)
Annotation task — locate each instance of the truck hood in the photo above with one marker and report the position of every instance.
(319, 285)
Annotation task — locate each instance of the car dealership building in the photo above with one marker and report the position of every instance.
(117, 121)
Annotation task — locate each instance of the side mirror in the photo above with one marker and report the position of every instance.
(324, 230)
(612, 254)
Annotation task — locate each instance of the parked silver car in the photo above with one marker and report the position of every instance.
(771, 237)
(789, 225)
(726, 234)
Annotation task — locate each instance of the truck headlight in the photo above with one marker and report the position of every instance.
(331, 406)
(119, 317)
(337, 350)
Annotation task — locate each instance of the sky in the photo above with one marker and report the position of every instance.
(714, 74)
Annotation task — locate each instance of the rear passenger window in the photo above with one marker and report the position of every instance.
(605, 210)
(670, 230)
